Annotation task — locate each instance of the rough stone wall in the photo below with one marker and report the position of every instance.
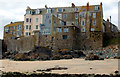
(22, 44)
(1, 48)
(70, 42)
(94, 42)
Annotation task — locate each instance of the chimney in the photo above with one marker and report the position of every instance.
(73, 5)
(107, 20)
(11, 22)
(46, 7)
(101, 3)
(110, 18)
(88, 6)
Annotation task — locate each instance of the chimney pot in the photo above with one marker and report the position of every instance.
(73, 5)
(101, 3)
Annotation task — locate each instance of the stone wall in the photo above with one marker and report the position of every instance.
(1, 48)
(23, 44)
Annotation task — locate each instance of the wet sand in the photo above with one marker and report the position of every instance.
(75, 66)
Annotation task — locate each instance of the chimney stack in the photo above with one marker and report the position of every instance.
(46, 7)
(88, 6)
(11, 22)
(101, 3)
(107, 19)
(73, 5)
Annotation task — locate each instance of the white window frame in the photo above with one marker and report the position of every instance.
(83, 29)
(66, 30)
(96, 8)
(94, 15)
(58, 29)
(82, 23)
(92, 29)
(76, 16)
(76, 23)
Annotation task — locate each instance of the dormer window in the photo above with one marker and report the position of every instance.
(49, 10)
(28, 11)
(97, 8)
(37, 11)
(75, 9)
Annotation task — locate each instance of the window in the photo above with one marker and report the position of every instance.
(75, 9)
(30, 19)
(83, 23)
(61, 22)
(13, 27)
(30, 27)
(7, 29)
(59, 30)
(76, 16)
(26, 26)
(18, 26)
(27, 34)
(83, 15)
(36, 19)
(84, 9)
(13, 33)
(65, 16)
(49, 21)
(36, 26)
(76, 23)
(59, 10)
(64, 36)
(37, 11)
(59, 16)
(94, 15)
(65, 30)
(97, 8)
(18, 33)
(49, 10)
(94, 22)
(54, 21)
(27, 19)
(83, 29)
(92, 29)
(28, 12)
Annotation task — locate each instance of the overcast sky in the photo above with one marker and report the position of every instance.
(14, 10)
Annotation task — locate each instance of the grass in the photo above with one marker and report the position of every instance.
(112, 41)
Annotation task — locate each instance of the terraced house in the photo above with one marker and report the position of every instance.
(59, 25)
(14, 30)
(74, 27)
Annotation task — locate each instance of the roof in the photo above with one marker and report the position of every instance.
(14, 24)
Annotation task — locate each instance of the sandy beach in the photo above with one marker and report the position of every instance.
(75, 66)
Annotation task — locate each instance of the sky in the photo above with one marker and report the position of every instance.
(14, 10)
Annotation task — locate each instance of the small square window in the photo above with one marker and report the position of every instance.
(65, 16)
(92, 29)
(59, 30)
(64, 36)
(83, 29)
(65, 30)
